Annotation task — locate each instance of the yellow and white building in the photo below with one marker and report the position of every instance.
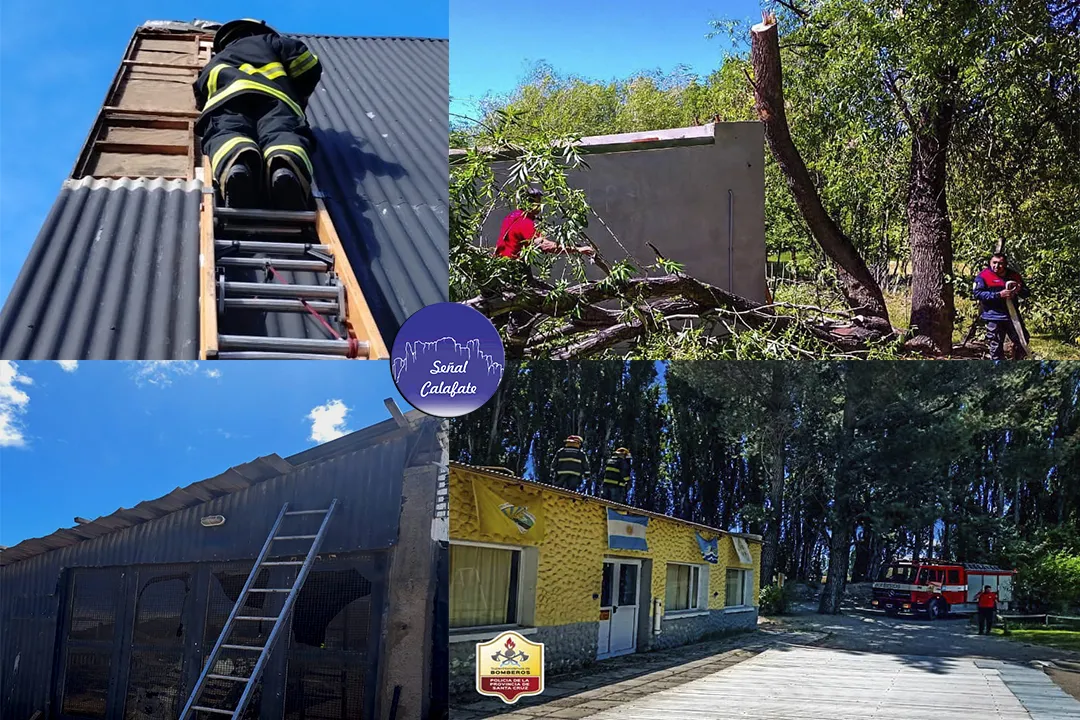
(555, 566)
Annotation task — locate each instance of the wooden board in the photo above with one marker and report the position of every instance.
(111, 164)
(208, 326)
(146, 135)
(358, 311)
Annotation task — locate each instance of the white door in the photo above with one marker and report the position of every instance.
(619, 608)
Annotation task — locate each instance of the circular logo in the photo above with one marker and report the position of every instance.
(447, 360)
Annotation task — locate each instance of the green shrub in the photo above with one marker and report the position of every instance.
(1051, 583)
(774, 599)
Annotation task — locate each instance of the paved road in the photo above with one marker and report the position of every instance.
(871, 631)
(800, 683)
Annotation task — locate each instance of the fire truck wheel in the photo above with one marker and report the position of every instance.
(933, 610)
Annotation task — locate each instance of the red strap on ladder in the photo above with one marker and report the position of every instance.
(354, 344)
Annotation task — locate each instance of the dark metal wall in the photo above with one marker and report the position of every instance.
(367, 483)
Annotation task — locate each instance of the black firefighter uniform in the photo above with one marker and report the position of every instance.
(570, 467)
(253, 95)
(616, 478)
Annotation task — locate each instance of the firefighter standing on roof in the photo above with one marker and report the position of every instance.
(987, 602)
(570, 464)
(617, 476)
(253, 95)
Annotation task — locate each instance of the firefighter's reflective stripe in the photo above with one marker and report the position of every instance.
(618, 478)
(576, 473)
(570, 458)
(295, 150)
(224, 150)
(303, 63)
(211, 84)
(269, 70)
(237, 86)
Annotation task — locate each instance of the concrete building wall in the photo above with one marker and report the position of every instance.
(701, 202)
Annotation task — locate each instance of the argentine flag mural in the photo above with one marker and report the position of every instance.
(626, 532)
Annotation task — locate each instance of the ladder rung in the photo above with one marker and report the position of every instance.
(274, 356)
(278, 248)
(278, 263)
(213, 710)
(227, 677)
(279, 344)
(296, 537)
(274, 305)
(264, 229)
(279, 290)
(307, 512)
(285, 562)
(260, 648)
(256, 617)
(269, 590)
(301, 216)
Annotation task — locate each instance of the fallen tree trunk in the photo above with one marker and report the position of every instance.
(861, 290)
(657, 301)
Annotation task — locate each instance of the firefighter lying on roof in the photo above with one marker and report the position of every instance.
(253, 94)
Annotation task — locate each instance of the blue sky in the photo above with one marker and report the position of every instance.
(494, 43)
(92, 437)
(59, 58)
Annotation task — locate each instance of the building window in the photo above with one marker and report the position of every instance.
(483, 586)
(739, 588)
(683, 587)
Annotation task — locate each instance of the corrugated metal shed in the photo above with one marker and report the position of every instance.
(364, 471)
(113, 274)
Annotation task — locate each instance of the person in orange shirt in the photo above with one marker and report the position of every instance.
(987, 602)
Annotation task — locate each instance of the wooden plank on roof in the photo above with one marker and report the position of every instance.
(359, 314)
(208, 325)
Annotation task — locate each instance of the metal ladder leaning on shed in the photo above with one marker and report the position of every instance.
(281, 620)
(277, 242)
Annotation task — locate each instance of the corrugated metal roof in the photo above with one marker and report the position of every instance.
(507, 475)
(112, 274)
(229, 482)
(114, 271)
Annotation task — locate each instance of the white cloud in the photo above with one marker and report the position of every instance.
(13, 402)
(161, 372)
(213, 373)
(328, 421)
(68, 365)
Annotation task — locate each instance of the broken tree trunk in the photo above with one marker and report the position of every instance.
(861, 291)
(929, 226)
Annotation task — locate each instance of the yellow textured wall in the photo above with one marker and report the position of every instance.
(574, 545)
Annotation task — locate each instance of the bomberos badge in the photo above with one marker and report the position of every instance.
(509, 667)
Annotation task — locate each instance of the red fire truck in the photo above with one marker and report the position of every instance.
(934, 587)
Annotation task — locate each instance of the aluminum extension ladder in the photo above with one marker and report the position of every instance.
(280, 244)
(280, 620)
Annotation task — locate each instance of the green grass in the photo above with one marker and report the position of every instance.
(1060, 639)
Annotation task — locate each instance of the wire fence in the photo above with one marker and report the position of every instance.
(1065, 622)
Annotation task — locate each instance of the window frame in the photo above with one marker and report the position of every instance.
(515, 600)
(746, 589)
(701, 600)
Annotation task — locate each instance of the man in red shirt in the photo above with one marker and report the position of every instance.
(519, 229)
(987, 602)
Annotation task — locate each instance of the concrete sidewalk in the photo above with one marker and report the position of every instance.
(609, 684)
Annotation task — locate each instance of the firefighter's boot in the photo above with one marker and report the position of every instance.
(286, 191)
(240, 187)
